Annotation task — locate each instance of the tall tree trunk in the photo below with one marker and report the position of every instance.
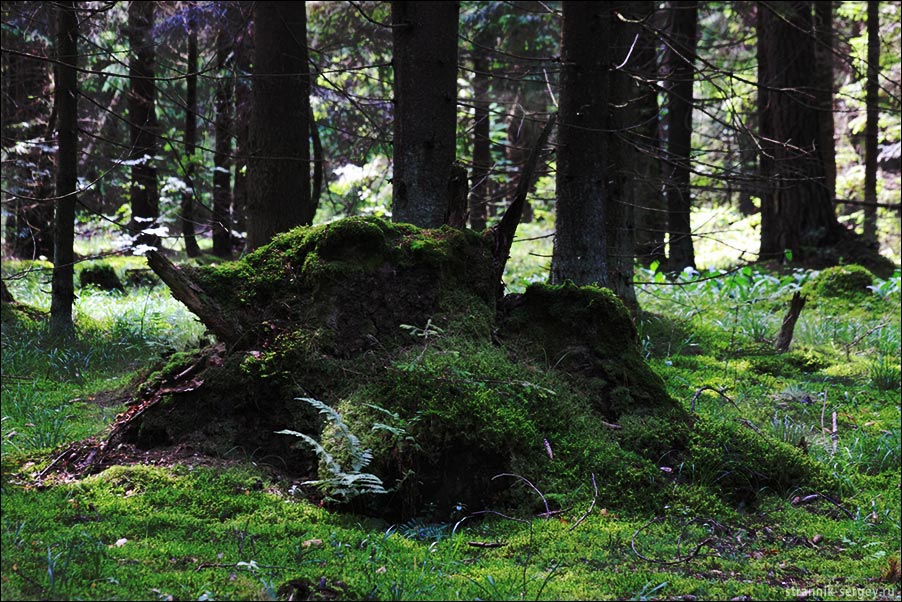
(222, 161)
(580, 243)
(23, 88)
(190, 193)
(425, 89)
(482, 142)
(871, 126)
(683, 38)
(796, 209)
(242, 134)
(279, 164)
(63, 291)
(823, 65)
(641, 165)
(145, 199)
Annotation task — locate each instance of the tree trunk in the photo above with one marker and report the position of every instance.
(644, 183)
(425, 90)
(796, 209)
(242, 134)
(823, 65)
(683, 38)
(63, 292)
(482, 143)
(580, 243)
(142, 118)
(872, 126)
(188, 195)
(222, 161)
(279, 165)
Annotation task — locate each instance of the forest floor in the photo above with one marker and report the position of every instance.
(181, 526)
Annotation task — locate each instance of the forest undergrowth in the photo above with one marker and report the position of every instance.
(232, 528)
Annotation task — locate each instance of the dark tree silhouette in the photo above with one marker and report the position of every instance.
(482, 143)
(222, 157)
(797, 208)
(871, 129)
(188, 195)
(592, 223)
(145, 199)
(680, 56)
(425, 89)
(279, 164)
(63, 293)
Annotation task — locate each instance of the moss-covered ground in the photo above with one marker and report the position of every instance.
(719, 528)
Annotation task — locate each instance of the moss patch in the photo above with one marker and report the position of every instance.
(398, 330)
(850, 282)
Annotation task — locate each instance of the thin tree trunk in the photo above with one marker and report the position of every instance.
(683, 38)
(222, 161)
(871, 127)
(482, 143)
(316, 190)
(645, 189)
(242, 135)
(63, 291)
(425, 86)
(145, 198)
(188, 219)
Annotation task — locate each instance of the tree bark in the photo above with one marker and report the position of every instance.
(145, 199)
(580, 246)
(425, 90)
(63, 291)
(823, 65)
(319, 162)
(482, 143)
(503, 233)
(195, 299)
(222, 155)
(784, 338)
(797, 210)
(643, 161)
(279, 165)
(871, 130)
(681, 54)
(242, 134)
(188, 219)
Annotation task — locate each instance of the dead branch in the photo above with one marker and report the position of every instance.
(195, 298)
(694, 553)
(591, 506)
(503, 233)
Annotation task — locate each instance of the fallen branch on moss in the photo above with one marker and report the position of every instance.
(680, 559)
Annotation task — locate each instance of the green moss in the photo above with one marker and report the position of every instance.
(741, 463)
(849, 282)
(102, 275)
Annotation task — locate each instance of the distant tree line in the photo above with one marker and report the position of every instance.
(240, 120)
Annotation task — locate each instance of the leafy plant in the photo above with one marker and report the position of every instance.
(348, 483)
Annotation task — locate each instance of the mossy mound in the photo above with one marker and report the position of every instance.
(102, 276)
(444, 388)
(849, 282)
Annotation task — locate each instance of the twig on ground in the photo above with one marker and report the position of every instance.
(694, 553)
(591, 506)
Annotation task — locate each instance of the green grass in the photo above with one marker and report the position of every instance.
(235, 531)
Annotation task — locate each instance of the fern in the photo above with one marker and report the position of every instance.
(344, 484)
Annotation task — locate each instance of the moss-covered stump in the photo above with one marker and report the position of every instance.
(384, 345)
